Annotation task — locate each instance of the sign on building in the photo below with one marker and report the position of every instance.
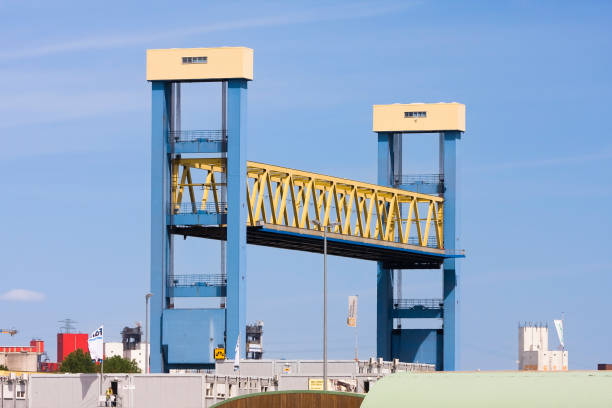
(219, 353)
(315, 384)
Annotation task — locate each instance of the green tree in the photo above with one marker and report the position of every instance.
(78, 362)
(118, 364)
(3, 367)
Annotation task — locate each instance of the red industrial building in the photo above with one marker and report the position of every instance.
(69, 342)
(36, 346)
(22, 358)
(47, 367)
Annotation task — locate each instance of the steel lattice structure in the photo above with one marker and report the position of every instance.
(294, 198)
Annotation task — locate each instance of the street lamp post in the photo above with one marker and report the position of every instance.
(324, 227)
(147, 297)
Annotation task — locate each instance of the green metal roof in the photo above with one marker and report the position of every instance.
(493, 389)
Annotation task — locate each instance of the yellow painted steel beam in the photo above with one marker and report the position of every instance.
(295, 198)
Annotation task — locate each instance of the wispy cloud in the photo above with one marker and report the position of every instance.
(22, 295)
(546, 162)
(49, 107)
(348, 12)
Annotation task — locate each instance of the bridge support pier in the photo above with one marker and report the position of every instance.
(384, 279)
(236, 217)
(420, 344)
(186, 338)
(448, 165)
(160, 237)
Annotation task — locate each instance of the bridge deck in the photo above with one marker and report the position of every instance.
(392, 254)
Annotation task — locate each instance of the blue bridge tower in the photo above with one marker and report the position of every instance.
(424, 345)
(187, 338)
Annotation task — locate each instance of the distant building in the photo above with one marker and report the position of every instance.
(138, 355)
(131, 337)
(131, 346)
(69, 342)
(112, 349)
(26, 358)
(49, 367)
(534, 354)
(254, 345)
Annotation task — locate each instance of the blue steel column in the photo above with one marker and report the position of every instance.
(160, 242)
(236, 216)
(384, 286)
(448, 144)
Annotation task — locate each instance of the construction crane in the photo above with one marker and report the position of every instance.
(12, 332)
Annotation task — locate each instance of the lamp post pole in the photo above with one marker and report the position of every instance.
(147, 297)
(320, 225)
(324, 309)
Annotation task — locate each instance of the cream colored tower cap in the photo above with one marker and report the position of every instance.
(200, 64)
(419, 117)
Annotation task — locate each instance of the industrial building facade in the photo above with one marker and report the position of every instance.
(195, 390)
(26, 358)
(533, 352)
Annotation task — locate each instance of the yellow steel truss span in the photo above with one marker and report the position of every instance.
(294, 198)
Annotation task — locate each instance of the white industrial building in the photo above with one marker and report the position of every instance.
(135, 352)
(534, 354)
(130, 347)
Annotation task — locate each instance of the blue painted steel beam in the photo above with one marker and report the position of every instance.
(160, 239)
(417, 345)
(423, 188)
(416, 313)
(199, 147)
(236, 216)
(197, 291)
(190, 336)
(384, 286)
(448, 144)
(381, 245)
(200, 218)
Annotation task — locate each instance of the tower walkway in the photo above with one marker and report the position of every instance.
(287, 207)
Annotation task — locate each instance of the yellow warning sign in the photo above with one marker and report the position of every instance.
(315, 384)
(219, 353)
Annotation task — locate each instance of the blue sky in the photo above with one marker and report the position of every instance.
(535, 162)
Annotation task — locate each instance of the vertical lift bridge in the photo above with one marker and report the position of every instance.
(275, 206)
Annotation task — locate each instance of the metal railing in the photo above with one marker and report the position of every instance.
(432, 242)
(419, 179)
(181, 136)
(197, 208)
(424, 303)
(175, 281)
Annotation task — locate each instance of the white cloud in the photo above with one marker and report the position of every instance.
(350, 12)
(22, 295)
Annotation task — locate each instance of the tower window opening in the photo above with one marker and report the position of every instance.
(415, 114)
(195, 60)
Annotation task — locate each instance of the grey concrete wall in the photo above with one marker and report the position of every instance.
(63, 390)
(76, 391)
(270, 368)
(162, 391)
(188, 390)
